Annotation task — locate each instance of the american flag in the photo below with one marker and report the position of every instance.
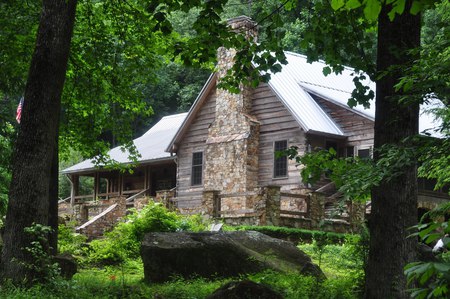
(19, 110)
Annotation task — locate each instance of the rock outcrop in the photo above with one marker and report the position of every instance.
(245, 289)
(220, 254)
(67, 264)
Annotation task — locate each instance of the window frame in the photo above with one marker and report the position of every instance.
(363, 148)
(275, 173)
(194, 167)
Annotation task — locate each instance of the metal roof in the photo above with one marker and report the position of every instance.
(151, 145)
(299, 77)
(294, 86)
(307, 112)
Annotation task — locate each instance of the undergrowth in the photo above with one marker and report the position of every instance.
(126, 281)
(111, 267)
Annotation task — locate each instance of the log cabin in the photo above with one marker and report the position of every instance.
(219, 158)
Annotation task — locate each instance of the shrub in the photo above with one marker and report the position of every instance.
(294, 286)
(124, 240)
(432, 279)
(301, 235)
(71, 242)
(343, 264)
(40, 265)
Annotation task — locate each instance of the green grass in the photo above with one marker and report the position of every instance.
(125, 281)
(342, 264)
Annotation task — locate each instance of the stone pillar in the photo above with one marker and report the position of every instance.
(273, 205)
(84, 213)
(231, 153)
(316, 209)
(121, 209)
(356, 213)
(209, 203)
(166, 198)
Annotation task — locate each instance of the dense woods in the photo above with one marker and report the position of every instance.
(130, 63)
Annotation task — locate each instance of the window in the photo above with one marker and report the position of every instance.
(197, 168)
(364, 153)
(280, 163)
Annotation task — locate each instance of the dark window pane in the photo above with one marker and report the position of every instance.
(197, 168)
(280, 164)
(197, 158)
(364, 153)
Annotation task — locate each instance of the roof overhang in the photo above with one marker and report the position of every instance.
(201, 98)
(94, 169)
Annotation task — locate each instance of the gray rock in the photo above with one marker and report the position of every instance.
(67, 264)
(220, 254)
(245, 289)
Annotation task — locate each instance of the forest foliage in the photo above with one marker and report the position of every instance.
(114, 42)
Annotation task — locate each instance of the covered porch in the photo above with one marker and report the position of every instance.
(102, 185)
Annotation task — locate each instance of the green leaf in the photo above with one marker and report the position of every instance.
(416, 7)
(337, 4)
(352, 4)
(442, 267)
(372, 9)
(326, 70)
(398, 7)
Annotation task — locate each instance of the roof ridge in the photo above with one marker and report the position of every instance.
(319, 60)
(174, 115)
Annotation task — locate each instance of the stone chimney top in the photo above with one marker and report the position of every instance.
(244, 24)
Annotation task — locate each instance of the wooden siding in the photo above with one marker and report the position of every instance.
(359, 129)
(277, 124)
(193, 141)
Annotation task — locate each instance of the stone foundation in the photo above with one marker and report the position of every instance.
(106, 220)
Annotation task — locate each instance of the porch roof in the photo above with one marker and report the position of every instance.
(151, 145)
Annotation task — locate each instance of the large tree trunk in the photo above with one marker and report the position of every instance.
(35, 146)
(53, 200)
(394, 203)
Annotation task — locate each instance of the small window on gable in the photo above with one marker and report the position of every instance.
(197, 168)
(364, 153)
(280, 163)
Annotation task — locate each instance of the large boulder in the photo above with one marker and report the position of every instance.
(67, 264)
(245, 289)
(223, 254)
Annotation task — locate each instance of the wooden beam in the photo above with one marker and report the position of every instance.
(96, 185)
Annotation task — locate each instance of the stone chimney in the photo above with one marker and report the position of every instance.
(231, 154)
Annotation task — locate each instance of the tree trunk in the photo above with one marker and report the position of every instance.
(35, 147)
(394, 203)
(53, 201)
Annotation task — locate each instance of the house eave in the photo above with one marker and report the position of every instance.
(325, 134)
(100, 168)
(210, 83)
(369, 117)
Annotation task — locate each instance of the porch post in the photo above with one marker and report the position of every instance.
(149, 182)
(96, 185)
(74, 187)
(120, 182)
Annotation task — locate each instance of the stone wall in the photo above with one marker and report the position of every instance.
(105, 221)
(166, 197)
(267, 206)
